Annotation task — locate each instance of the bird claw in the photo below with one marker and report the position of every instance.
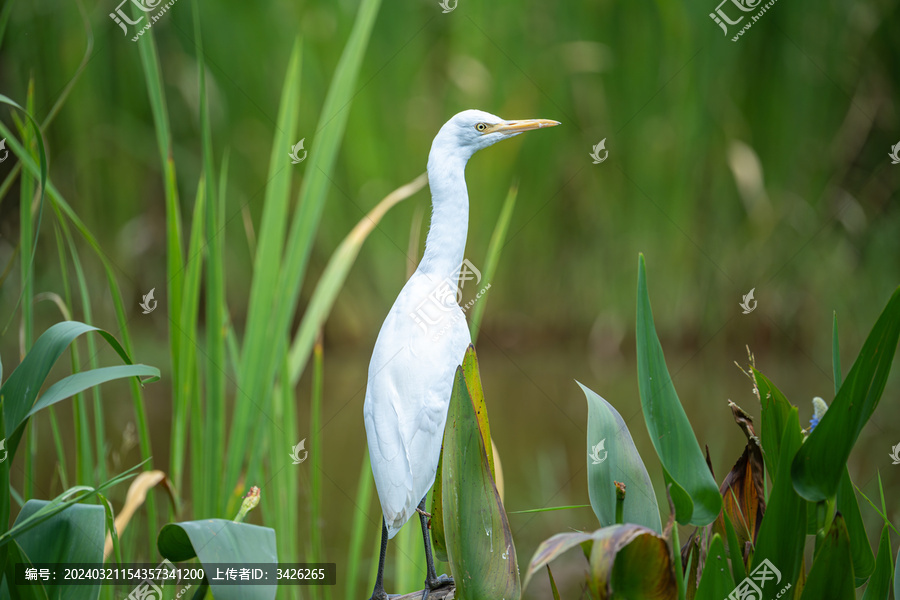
(423, 513)
(436, 584)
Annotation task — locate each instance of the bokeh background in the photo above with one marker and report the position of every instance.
(761, 163)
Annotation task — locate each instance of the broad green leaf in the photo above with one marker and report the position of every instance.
(631, 561)
(480, 547)
(627, 561)
(438, 536)
(69, 497)
(783, 533)
(716, 582)
(879, 587)
(25, 382)
(831, 575)
(616, 459)
(860, 550)
(819, 465)
(696, 496)
(33, 591)
(472, 378)
(18, 393)
(774, 412)
(897, 576)
(76, 534)
(221, 541)
(83, 380)
(553, 547)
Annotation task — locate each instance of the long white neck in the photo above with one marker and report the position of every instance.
(446, 242)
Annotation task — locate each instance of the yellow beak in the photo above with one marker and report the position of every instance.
(523, 125)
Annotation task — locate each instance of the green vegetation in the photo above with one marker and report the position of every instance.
(163, 163)
(765, 531)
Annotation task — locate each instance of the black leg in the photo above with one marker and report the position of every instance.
(432, 581)
(378, 592)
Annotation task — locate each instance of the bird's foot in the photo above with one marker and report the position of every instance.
(379, 594)
(436, 584)
(423, 513)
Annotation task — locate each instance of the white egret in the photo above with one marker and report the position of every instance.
(423, 340)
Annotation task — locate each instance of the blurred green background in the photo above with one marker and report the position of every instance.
(757, 164)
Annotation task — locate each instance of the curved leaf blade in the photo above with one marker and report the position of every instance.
(879, 587)
(631, 561)
(774, 411)
(668, 424)
(74, 535)
(552, 548)
(782, 533)
(716, 582)
(860, 549)
(619, 460)
(221, 541)
(831, 575)
(480, 547)
(818, 467)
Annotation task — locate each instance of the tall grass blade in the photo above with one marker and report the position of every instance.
(22, 151)
(495, 248)
(819, 465)
(258, 364)
(694, 491)
(322, 155)
(317, 547)
(216, 323)
(185, 375)
(359, 529)
(835, 355)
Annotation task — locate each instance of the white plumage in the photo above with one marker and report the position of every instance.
(425, 335)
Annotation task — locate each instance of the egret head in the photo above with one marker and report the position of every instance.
(471, 130)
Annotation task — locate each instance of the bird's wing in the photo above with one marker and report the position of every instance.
(410, 381)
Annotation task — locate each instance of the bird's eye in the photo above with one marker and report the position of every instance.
(481, 126)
